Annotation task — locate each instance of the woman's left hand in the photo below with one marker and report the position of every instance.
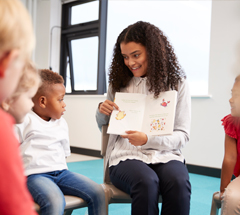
(136, 138)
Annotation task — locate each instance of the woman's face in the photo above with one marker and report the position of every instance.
(135, 58)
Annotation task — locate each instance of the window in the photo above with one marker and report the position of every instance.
(187, 24)
(85, 51)
(80, 13)
(83, 45)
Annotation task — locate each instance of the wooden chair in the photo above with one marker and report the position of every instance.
(113, 194)
(216, 204)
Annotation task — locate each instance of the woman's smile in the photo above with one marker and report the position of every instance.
(135, 58)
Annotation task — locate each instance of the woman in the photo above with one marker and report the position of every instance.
(145, 166)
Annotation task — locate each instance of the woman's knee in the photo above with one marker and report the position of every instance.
(184, 188)
(175, 179)
(181, 184)
(146, 186)
(177, 186)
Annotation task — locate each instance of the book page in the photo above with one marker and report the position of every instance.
(160, 114)
(130, 114)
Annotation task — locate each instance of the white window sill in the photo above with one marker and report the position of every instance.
(86, 96)
(201, 96)
(105, 95)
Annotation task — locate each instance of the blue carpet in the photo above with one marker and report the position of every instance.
(202, 189)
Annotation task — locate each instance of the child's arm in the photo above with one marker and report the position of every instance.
(19, 129)
(229, 162)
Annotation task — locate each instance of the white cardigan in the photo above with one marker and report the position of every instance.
(158, 149)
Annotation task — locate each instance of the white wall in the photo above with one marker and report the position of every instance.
(48, 23)
(80, 116)
(42, 34)
(206, 146)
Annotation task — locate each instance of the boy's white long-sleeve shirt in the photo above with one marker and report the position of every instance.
(158, 149)
(44, 144)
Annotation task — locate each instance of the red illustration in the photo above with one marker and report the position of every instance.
(164, 104)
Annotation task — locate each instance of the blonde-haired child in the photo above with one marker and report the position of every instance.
(20, 103)
(16, 45)
(230, 190)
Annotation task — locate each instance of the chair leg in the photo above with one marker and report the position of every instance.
(68, 212)
(215, 206)
(108, 195)
(107, 210)
(214, 209)
(106, 204)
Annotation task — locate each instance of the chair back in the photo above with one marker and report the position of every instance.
(105, 138)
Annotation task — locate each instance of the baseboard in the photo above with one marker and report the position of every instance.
(201, 170)
(83, 151)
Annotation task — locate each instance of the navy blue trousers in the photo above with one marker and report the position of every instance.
(144, 182)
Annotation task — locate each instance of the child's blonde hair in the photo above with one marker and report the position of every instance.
(15, 18)
(29, 79)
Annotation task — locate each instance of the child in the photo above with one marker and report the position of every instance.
(16, 45)
(230, 191)
(20, 103)
(44, 146)
(140, 165)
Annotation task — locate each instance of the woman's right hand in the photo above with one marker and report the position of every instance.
(107, 107)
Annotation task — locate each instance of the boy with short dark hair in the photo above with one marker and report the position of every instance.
(44, 146)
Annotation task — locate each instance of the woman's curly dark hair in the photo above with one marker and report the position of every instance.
(163, 70)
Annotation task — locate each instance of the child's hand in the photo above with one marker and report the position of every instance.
(107, 107)
(136, 138)
(221, 195)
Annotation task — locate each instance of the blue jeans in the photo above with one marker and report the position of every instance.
(144, 182)
(48, 190)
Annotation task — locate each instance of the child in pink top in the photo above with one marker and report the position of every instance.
(230, 190)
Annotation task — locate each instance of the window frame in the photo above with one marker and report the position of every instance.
(79, 31)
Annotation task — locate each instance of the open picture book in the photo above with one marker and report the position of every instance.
(140, 112)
